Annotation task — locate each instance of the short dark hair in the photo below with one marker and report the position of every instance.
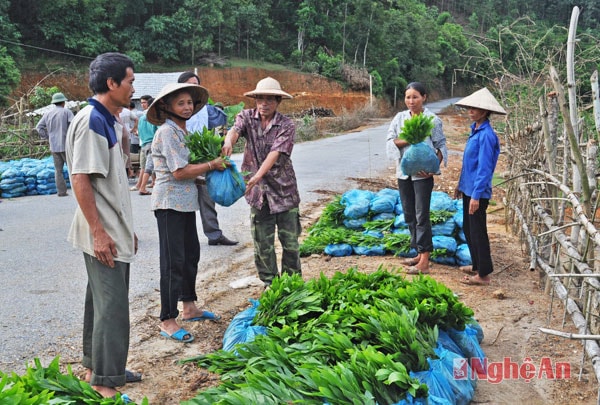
(185, 76)
(106, 66)
(418, 87)
(146, 97)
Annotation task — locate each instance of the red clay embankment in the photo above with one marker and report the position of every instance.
(228, 85)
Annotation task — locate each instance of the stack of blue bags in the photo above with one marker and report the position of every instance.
(29, 177)
(361, 206)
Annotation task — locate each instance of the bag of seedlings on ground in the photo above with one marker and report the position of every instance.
(419, 156)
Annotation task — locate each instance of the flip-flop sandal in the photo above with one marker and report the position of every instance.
(469, 281)
(206, 316)
(468, 270)
(132, 376)
(179, 336)
(145, 193)
(414, 270)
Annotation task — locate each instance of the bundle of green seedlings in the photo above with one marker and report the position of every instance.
(416, 129)
(350, 339)
(330, 229)
(47, 385)
(203, 146)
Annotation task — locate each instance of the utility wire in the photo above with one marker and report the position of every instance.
(44, 49)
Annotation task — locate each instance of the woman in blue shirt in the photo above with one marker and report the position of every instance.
(475, 183)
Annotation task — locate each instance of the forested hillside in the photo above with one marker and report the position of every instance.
(440, 42)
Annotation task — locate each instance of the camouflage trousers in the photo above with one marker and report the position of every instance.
(263, 225)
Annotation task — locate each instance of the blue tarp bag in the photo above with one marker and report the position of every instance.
(458, 218)
(445, 260)
(357, 203)
(441, 201)
(338, 249)
(459, 377)
(445, 228)
(400, 222)
(378, 250)
(354, 223)
(384, 201)
(384, 216)
(225, 187)
(419, 157)
(241, 330)
(463, 255)
(468, 342)
(440, 390)
(445, 242)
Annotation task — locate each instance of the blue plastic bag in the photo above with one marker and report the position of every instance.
(338, 249)
(241, 330)
(384, 201)
(459, 378)
(419, 157)
(445, 242)
(463, 255)
(378, 250)
(225, 187)
(439, 387)
(441, 201)
(357, 203)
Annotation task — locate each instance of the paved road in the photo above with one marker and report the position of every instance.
(43, 278)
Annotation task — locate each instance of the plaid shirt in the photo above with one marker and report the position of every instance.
(278, 187)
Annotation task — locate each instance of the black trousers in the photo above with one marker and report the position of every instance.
(475, 228)
(415, 196)
(179, 257)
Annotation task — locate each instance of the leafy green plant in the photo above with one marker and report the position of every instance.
(416, 129)
(349, 339)
(203, 146)
(232, 111)
(47, 385)
(41, 96)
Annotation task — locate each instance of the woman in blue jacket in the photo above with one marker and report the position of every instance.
(475, 183)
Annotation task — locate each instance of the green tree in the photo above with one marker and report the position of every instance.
(163, 32)
(76, 25)
(205, 18)
(10, 76)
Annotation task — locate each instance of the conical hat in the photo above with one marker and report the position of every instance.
(268, 87)
(482, 99)
(199, 96)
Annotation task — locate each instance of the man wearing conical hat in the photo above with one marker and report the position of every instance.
(475, 183)
(271, 189)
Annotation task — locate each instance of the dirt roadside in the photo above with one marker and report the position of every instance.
(510, 324)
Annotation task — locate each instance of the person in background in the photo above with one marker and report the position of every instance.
(271, 190)
(174, 202)
(146, 132)
(125, 142)
(415, 191)
(53, 126)
(103, 223)
(475, 183)
(208, 117)
(129, 119)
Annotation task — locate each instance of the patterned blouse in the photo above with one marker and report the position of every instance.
(169, 153)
